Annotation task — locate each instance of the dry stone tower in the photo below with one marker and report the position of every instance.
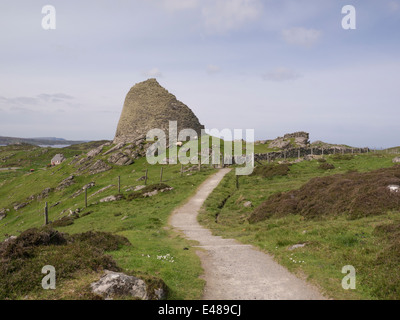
(149, 106)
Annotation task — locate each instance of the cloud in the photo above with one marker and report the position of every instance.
(153, 73)
(394, 5)
(178, 5)
(221, 16)
(31, 104)
(57, 96)
(301, 36)
(213, 69)
(281, 74)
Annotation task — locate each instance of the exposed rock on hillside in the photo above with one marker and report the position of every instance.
(291, 140)
(149, 106)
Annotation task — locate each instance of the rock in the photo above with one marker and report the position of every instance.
(89, 185)
(44, 194)
(20, 206)
(297, 246)
(114, 285)
(138, 188)
(65, 183)
(108, 199)
(394, 188)
(396, 160)
(10, 239)
(150, 194)
(118, 146)
(147, 106)
(95, 152)
(141, 178)
(111, 198)
(102, 190)
(124, 218)
(3, 214)
(279, 143)
(98, 167)
(248, 204)
(120, 159)
(296, 140)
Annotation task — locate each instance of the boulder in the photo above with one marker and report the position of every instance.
(248, 204)
(396, 160)
(297, 246)
(119, 285)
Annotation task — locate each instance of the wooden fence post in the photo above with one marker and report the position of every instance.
(119, 184)
(161, 174)
(237, 182)
(145, 177)
(85, 197)
(46, 214)
(181, 170)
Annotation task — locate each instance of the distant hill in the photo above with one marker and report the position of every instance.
(38, 141)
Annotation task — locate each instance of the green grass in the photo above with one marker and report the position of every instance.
(332, 243)
(143, 221)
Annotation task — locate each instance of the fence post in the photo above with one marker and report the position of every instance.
(119, 184)
(299, 154)
(181, 170)
(85, 197)
(46, 214)
(161, 174)
(237, 182)
(145, 177)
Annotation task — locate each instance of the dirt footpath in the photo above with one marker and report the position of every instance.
(234, 271)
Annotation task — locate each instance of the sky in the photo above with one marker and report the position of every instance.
(275, 66)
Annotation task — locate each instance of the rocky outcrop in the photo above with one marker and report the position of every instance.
(291, 140)
(98, 167)
(65, 183)
(149, 106)
(3, 213)
(119, 285)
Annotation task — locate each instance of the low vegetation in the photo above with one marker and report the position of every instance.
(23, 258)
(344, 216)
(143, 221)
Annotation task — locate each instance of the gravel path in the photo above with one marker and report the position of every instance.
(234, 271)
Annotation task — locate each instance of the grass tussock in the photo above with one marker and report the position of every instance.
(326, 166)
(270, 171)
(355, 194)
(23, 258)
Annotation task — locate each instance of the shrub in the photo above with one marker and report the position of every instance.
(270, 171)
(326, 166)
(355, 194)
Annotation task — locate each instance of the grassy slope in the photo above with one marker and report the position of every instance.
(145, 225)
(332, 243)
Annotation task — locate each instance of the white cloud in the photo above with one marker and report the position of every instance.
(177, 5)
(221, 16)
(213, 69)
(301, 36)
(153, 73)
(281, 74)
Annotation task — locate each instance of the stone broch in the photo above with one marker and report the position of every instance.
(149, 106)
